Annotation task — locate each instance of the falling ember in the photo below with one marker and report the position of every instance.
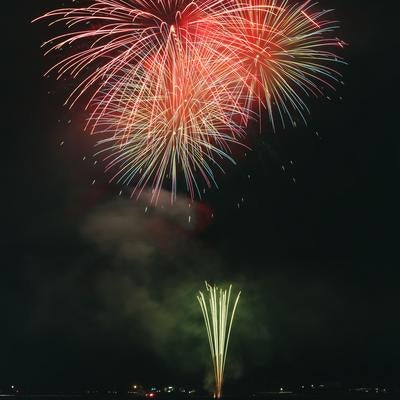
(218, 319)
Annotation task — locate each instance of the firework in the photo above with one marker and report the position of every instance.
(179, 112)
(285, 53)
(165, 103)
(218, 318)
(171, 84)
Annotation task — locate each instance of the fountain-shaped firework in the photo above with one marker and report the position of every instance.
(218, 319)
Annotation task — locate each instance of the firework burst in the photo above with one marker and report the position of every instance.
(165, 119)
(285, 53)
(171, 84)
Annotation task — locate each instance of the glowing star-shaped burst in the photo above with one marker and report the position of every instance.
(180, 112)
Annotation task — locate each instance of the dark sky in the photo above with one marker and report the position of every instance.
(93, 289)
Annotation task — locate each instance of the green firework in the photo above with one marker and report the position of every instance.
(218, 319)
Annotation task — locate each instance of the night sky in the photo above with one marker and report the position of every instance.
(93, 289)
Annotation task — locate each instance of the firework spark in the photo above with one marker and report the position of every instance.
(218, 319)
